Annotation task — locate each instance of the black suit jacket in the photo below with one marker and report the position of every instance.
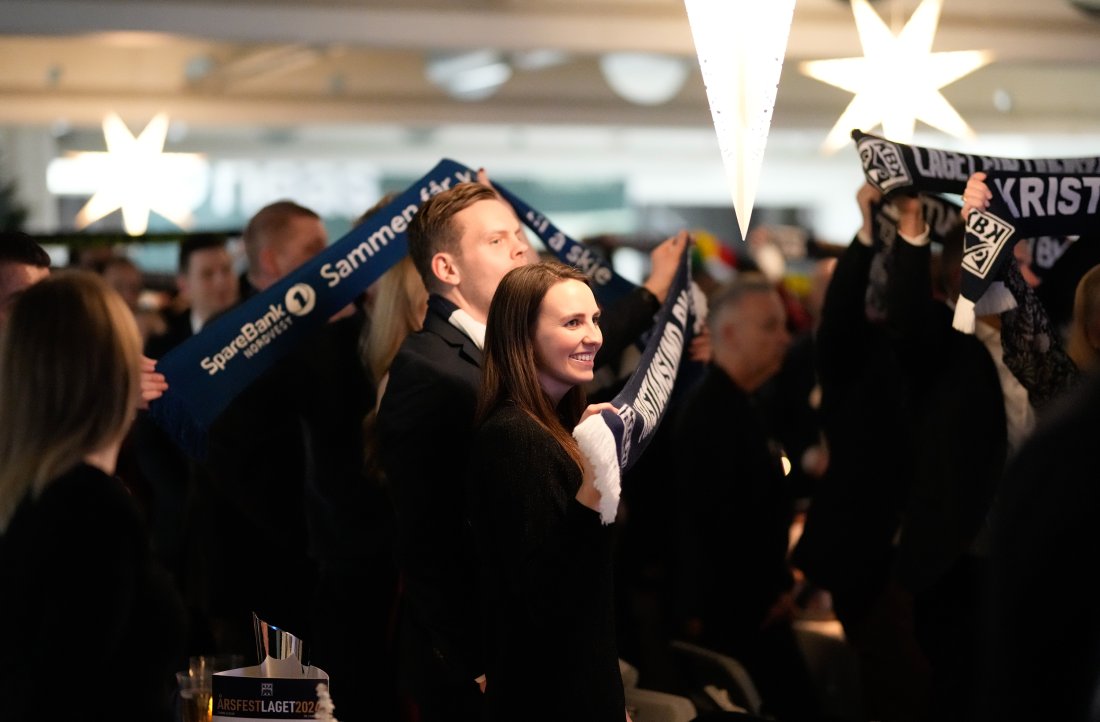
(283, 478)
(424, 429)
(735, 511)
(178, 330)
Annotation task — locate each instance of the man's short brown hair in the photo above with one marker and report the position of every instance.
(268, 224)
(432, 230)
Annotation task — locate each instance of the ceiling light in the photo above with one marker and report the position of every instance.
(469, 76)
(644, 78)
(538, 59)
(898, 79)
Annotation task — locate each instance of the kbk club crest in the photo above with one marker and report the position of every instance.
(883, 164)
(986, 235)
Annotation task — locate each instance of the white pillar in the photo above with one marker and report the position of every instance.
(25, 153)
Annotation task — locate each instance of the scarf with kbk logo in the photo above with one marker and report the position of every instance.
(1032, 197)
(1024, 205)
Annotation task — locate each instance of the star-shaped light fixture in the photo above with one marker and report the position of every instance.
(741, 46)
(137, 176)
(898, 79)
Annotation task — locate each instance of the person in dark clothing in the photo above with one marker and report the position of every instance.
(947, 426)
(283, 477)
(847, 545)
(250, 485)
(462, 242)
(736, 588)
(957, 445)
(80, 592)
(205, 278)
(550, 649)
(1040, 634)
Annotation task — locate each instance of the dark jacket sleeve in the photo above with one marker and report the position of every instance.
(955, 424)
(424, 434)
(841, 337)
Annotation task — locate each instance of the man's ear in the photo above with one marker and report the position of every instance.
(1092, 334)
(444, 269)
(182, 285)
(727, 334)
(269, 264)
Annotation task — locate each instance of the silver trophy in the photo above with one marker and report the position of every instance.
(277, 643)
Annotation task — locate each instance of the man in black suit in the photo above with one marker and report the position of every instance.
(205, 279)
(735, 588)
(462, 241)
(285, 479)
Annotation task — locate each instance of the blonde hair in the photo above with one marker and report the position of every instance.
(70, 376)
(1086, 322)
(399, 306)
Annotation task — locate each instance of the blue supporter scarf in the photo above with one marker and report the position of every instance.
(607, 285)
(611, 441)
(207, 371)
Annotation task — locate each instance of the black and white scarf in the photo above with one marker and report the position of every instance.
(943, 218)
(1031, 197)
(611, 441)
(1024, 205)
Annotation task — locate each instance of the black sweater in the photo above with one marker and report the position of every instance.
(546, 558)
(93, 628)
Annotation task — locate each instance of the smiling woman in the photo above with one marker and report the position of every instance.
(550, 647)
(567, 337)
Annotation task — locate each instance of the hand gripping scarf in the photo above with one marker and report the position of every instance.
(611, 441)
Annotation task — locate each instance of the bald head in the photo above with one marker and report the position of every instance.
(280, 238)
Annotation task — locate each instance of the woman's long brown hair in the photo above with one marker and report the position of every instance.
(510, 366)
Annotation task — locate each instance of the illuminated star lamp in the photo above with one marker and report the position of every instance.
(136, 175)
(898, 79)
(741, 45)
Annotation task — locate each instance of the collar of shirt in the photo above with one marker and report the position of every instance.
(467, 325)
(196, 323)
